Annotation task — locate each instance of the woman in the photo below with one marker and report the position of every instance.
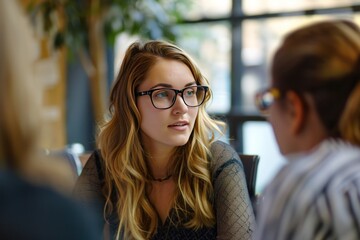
(313, 107)
(159, 173)
(29, 209)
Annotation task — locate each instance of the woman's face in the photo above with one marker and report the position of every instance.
(284, 115)
(277, 114)
(166, 128)
(278, 119)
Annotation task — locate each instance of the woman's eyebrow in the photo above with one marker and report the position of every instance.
(190, 84)
(165, 85)
(161, 85)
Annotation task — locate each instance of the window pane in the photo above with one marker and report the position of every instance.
(258, 139)
(260, 40)
(208, 8)
(210, 46)
(266, 6)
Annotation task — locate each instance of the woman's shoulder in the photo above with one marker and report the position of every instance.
(94, 161)
(223, 150)
(92, 175)
(58, 212)
(223, 154)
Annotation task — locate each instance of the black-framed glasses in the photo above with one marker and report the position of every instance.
(265, 98)
(164, 98)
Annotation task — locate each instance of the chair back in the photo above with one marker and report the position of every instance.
(250, 163)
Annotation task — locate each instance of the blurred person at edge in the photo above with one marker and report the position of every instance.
(313, 105)
(28, 210)
(160, 171)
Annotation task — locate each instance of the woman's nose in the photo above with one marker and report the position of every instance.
(179, 105)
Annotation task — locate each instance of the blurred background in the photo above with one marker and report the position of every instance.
(82, 42)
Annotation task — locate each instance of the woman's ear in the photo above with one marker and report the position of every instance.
(296, 109)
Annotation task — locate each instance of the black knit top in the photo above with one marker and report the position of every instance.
(234, 214)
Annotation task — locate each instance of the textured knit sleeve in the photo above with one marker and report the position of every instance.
(234, 212)
(88, 188)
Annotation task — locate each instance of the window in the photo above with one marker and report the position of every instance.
(210, 46)
(233, 42)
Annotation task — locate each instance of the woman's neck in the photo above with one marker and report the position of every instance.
(160, 164)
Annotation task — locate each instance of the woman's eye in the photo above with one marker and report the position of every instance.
(161, 94)
(189, 93)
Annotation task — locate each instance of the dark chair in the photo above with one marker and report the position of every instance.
(250, 163)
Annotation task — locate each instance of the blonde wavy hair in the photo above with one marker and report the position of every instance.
(323, 59)
(19, 101)
(124, 157)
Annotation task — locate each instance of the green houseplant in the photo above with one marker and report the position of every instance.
(86, 27)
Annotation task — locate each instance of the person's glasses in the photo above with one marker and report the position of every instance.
(164, 98)
(265, 98)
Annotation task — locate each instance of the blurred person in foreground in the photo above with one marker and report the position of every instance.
(313, 105)
(28, 210)
(161, 172)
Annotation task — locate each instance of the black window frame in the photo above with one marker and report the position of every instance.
(235, 118)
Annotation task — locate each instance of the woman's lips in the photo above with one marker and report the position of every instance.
(179, 126)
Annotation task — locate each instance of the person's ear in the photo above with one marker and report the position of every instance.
(296, 110)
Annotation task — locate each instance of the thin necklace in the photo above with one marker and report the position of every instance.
(160, 179)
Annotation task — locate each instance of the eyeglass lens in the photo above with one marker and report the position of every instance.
(165, 98)
(266, 98)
